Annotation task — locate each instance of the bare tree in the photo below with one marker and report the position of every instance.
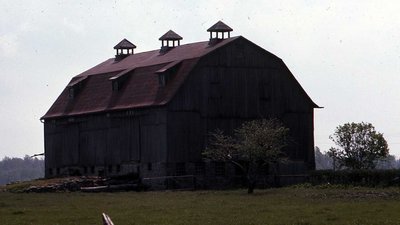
(254, 143)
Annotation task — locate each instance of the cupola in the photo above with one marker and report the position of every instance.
(219, 31)
(124, 48)
(169, 40)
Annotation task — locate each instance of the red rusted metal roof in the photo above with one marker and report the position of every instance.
(170, 35)
(76, 81)
(141, 89)
(124, 44)
(187, 51)
(219, 27)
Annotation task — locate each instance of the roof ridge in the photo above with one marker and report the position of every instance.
(153, 57)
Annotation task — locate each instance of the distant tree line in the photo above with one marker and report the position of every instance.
(20, 169)
(323, 161)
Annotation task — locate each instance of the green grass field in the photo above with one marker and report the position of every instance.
(298, 206)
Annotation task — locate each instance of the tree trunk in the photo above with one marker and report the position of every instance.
(251, 178)
(251, 186)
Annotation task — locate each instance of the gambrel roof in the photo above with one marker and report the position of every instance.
(141, 86)
(142, 89)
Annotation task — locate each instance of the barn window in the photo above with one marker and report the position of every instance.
(180, 169)
(74, 86)
(85, 170)
(219, 168)
(58, 171)
(118, 81)
(162, 79)
(115, 85)
(166, 73)
(71, 92)
(50, 171)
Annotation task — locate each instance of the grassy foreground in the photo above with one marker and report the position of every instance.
(297, 206)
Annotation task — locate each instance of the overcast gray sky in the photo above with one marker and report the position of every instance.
(345, 54)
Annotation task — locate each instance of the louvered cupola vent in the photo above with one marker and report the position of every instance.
(169, 40)
(124, 48)
(218, 31)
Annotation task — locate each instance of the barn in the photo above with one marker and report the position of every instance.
(150, 113)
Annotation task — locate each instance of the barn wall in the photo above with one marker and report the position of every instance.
(185, 136)
(233, 84)
(229, 86)
(106, 144)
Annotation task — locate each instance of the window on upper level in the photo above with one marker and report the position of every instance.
(115, 85)
(163, 79)
(166, 73)
(71, 92)
(119, 80)
(75, 86)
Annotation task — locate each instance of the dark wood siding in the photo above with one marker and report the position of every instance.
(185, 136)
(235, 83)
(231, 85)
(106, 139)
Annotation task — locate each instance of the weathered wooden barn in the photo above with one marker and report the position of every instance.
(150, 113)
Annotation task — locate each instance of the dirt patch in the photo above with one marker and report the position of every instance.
(72, 184)
(55, 185)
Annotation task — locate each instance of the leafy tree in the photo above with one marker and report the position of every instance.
(255, 143)
(358, 146)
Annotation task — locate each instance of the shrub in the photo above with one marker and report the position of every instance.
(366, 178)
